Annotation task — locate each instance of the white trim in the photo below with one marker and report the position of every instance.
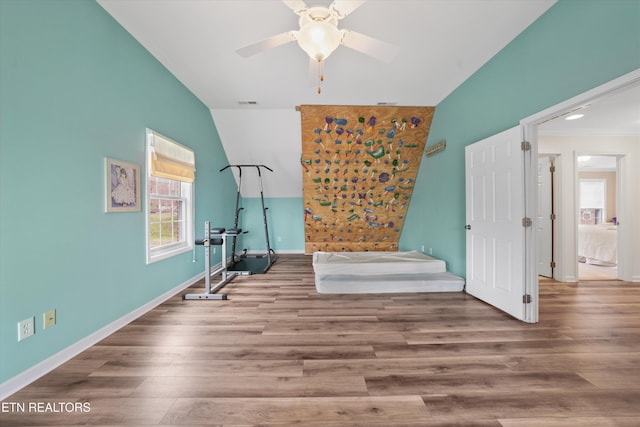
(624, 212)
(608, 88)
(279, 251)
(290, 251)
(530, 181)
(589, 132)
(25, 378)
(166, 252)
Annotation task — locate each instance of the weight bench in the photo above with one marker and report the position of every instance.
(215, 237)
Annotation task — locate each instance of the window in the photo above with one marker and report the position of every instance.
(169, 190)
(593, 198)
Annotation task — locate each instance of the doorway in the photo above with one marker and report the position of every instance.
(597, 217)
(601, 128)
(525, 283)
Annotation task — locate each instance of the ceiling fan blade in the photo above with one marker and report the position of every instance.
(299, 7)
(375, 48)
(269, 43)
(341, 8)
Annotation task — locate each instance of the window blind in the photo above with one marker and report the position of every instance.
(592, 193)
(170, 159)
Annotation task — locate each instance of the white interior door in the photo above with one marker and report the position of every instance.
(495, 211)
(545, 225)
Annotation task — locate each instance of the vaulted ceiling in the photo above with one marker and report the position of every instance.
(440, 44)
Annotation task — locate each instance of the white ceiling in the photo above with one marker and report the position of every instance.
(441, 44)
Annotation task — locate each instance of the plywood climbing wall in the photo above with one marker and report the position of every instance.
(359, 167)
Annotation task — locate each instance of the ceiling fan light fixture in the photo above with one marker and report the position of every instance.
(318, 35)
(319, 39)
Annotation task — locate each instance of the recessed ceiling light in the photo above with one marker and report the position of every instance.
(248, 102)
(574, 117)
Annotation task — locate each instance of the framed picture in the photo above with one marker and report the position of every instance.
(122, 192)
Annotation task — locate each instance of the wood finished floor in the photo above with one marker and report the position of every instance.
(279, 354)
(596, 272)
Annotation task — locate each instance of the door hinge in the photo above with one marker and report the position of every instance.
(525, 145)
(526, 299)
(526, 222)
(552, 217)
(552, 264)
(552, 169)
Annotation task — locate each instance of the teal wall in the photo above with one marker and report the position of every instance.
(285, 223)
(76, 88)
(576, 46)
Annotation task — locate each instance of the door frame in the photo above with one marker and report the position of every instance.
(530, 133)
(550, 200)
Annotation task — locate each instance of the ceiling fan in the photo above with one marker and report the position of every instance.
(319, 35)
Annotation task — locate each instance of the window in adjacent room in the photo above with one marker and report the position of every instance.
(169, 193)
(593, 198)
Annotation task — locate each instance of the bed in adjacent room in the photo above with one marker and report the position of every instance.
(382, 272)
(597, 244)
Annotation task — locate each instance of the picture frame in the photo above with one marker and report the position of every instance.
(122, 186)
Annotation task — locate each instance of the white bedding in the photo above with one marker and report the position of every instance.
(375, 263)
(382, 272)
(598, 243)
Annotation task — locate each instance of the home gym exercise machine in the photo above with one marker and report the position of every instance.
(244, 262)
(215, 237)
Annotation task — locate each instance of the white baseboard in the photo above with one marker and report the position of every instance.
(279, 251)
(25, 378)
(567, 279)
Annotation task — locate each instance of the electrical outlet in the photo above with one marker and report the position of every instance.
(48, 319)
(422, 248)
(430, 251)
(26, 328)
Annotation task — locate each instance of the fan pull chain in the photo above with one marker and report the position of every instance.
(321, 75)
